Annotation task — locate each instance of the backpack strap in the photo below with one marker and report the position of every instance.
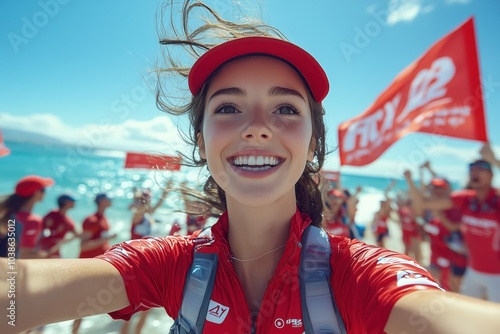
(197, 292)
(318, 302)
(320, 313)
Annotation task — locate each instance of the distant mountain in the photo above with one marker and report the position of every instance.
(22, 136)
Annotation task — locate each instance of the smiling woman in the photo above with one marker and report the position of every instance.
(257, 124)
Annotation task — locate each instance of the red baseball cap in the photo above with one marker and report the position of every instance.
(336, 193)
(439, 182)
(30, 184)
(305, 64)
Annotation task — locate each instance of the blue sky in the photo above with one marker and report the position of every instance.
(76, 69)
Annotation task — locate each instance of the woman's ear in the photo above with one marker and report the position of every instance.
(201, 145)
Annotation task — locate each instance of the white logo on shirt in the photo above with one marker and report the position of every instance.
(217, 312)
(280, 323)
(480, 222)
(294, 322)
(397, 260)
(408, 277)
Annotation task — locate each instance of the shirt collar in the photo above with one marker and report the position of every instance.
(298, 224)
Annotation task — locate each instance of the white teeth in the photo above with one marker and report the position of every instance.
(255, 161)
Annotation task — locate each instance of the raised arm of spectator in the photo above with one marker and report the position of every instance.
(427, 165)
(351, 204)
(421, 182)
(488, 155)
(420, 202)
(388, 190)
(164, 194)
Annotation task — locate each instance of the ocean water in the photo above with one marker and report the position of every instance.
(84, 173)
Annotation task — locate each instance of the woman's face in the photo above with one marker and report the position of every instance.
(256, 135)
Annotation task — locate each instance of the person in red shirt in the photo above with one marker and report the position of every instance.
(95, 230)
(480, 226)
(445, 264)
(142, 221)
(20, 229)
(95, 236)
(257, 123)
(196, 212)
(143, 210)
(56, 225)
(380, 223)
(410, 231)
(334, 215)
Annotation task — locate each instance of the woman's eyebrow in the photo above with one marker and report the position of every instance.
(276, 91)
(228, 91)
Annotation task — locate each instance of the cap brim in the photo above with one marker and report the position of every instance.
(305, 64)
(47, 182)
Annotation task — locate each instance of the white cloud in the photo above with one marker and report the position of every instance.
(159, 133)
(406, 10)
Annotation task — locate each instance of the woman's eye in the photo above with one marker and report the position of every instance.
(226, 109)
(287, 110)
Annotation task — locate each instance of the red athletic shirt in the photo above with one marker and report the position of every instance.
(439, 249)
(480, 229)
(441, 254)
(58, 225)
(381, 226)
(408, 223)
(31, 229)
(97, 225)
(367, 281)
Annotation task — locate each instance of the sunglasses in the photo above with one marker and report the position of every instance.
(481, 165)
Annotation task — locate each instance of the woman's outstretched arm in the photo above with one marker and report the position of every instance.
(437, 312)
(37, 292)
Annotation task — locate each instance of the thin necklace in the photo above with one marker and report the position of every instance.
(258, 257)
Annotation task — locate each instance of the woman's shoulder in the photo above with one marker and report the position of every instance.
(349, 250)
(171, 249)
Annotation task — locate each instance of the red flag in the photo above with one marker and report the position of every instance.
(331, 175)
(151, 161)
(3, 149)
(440, 93)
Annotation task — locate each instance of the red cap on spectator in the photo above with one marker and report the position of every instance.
(438, 182)
(29, 185)
(336, 193)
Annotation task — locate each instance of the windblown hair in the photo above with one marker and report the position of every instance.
(212, 31)
(9, 206)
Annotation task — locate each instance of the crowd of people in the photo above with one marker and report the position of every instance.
(266, 265)
(42, 237)
(461, 227)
